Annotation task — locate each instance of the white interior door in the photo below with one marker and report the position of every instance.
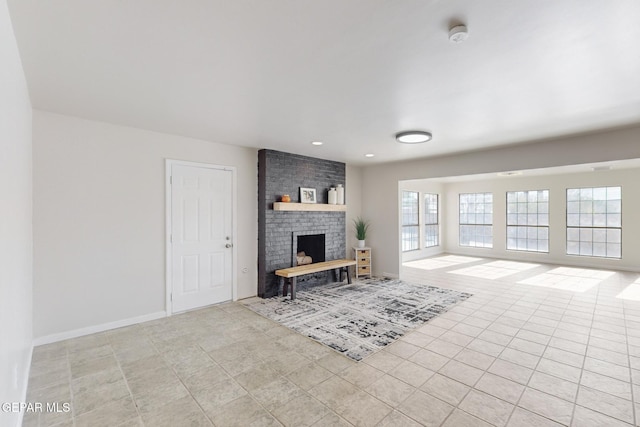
(201, 236)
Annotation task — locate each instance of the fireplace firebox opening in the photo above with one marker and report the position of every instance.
(310, 249)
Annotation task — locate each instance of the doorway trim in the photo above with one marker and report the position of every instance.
(169, 163)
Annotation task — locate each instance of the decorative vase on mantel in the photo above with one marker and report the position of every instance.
(333, 196)
(340, 191)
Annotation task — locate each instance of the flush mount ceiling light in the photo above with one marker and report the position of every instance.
(318, 143)
(413, 137)
(369, 155)
(458, 34)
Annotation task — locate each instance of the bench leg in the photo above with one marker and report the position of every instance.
(340, 275)
(283, 283)
(348, 275)
(293, 288)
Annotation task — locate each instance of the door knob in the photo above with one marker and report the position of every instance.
(228, 245)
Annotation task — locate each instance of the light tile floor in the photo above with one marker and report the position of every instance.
(521, 352)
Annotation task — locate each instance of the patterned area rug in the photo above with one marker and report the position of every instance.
(359, 319)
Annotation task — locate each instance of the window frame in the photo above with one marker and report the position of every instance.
(606, 228)
(475, 224)
(428, 225)
(527, 226)
(416, 225)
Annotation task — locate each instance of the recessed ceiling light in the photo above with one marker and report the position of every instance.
(369, 155)
(317, 143)
(413, 137)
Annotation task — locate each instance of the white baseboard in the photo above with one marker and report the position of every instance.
(25, 381)
(392, 276)
(48, 339)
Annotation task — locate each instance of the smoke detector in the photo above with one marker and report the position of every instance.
(458, 34)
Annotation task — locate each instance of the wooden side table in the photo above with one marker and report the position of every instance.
(363, 261)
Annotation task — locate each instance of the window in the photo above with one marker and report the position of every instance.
(410, 221)
(528, 220)
(476, 220)
(431, 234)
(594, 222)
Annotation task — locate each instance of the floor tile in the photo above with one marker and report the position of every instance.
(607, 404)
(334, 392)
(445, 389)
(511, 371)
(390, 390)
(475, 359)
(276, 393)
(612, 370)
(500, 387)
(583, 417)
(523, 418)
(184, 411)
(460, 418)
(396, 419)
(485, 347)
(546, 405)
(425, 409)
(429, 359)
(487, 407)
(108, 415)
(460, 372)
(444, 348)
(362, 409)
(212, 398)
(300, 411)
(411, 373)
(559, 370)
(606, 384)
(383, 361)
(312, 374)
(418, 339)
(361, 375)
(554, 386)
(520, 358)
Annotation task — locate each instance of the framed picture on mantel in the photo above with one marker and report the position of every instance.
(307, 195)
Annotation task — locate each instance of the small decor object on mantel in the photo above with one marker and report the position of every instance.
(333, 196)
(340, 191)
(307, 195)
(361, 226)
(285, 198)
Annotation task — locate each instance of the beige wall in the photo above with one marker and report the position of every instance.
(380, 183)
(353, 200)
(16, 250)
(99, 220)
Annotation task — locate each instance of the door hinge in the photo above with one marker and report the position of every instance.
(171, 296)
(171, 180)
(170, 238)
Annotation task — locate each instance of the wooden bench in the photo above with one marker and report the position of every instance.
(293, 272)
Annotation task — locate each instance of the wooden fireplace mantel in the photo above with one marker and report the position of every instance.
(308, 207)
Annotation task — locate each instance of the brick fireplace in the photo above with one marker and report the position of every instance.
(283, 173)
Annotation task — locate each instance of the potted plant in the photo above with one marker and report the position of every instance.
(361, 226)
